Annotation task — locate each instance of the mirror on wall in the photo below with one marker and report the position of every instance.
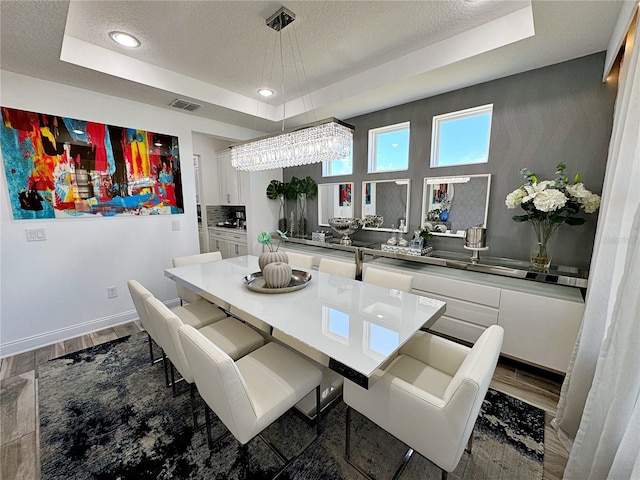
(334, 200)
(453, 204)
(388, 200)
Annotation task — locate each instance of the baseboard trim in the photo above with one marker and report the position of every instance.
(26, 344)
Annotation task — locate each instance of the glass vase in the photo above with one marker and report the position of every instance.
(282, 218)
(543, 240)
(302, 214)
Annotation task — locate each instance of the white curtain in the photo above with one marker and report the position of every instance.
(598, 415)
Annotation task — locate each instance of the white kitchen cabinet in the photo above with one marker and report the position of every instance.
(234, 184)
(230, 243)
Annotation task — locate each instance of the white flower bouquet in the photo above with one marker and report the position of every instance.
(549, 204)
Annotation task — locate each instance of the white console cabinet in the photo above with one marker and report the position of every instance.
(540, 321)
(539, 329)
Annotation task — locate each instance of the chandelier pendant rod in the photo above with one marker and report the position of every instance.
(320, 141)
(284, 98)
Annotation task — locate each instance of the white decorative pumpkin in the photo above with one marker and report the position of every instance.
(270, 257)
(277, 274)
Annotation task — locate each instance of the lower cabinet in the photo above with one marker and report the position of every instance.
(540, 321)
(539, 330)
(229, 244)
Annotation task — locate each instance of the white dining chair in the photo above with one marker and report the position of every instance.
(138, 294)
(197, 317)
(230, 335)
(387, 279)
(337, 267)
(190, 297)
(250, 394)
(300, 259)
(429, 397)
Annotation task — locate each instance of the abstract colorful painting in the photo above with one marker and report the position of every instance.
(345, 194)
(58, 167)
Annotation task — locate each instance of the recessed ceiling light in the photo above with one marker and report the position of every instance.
(124, 39)
(158, 144)
(79, 132)
(265, 92)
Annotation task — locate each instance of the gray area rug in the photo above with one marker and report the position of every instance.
(106, 414)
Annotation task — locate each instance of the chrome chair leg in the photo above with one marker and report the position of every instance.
(151, 356)
(207, 422)
(318, 410)
(347, 448)
(194, 412)
(173, 380)
(150, 349)
(166, 369)
(244, 461)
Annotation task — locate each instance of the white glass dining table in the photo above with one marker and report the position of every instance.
(357, 325)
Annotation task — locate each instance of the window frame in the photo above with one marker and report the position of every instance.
(438, 120)
(373, 134)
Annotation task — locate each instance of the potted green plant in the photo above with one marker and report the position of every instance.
(277, 190)
(302, 189)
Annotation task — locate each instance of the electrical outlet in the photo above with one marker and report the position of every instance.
(112, 292)
(175, 225)
(36, 234)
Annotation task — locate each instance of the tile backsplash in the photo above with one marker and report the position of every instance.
(222, 213)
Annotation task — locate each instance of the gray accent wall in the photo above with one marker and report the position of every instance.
(561, 113)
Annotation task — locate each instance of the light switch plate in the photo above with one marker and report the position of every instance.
(175, 225)
(36, 234)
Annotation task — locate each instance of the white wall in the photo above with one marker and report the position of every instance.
(56, 289)
(262, 213)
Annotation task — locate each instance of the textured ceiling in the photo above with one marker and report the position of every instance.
(358, 56)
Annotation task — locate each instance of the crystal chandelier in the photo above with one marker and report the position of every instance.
(321, 141)
(327, 140)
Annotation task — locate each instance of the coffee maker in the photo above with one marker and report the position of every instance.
(240, 221)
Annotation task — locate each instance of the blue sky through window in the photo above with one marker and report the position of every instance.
(392, 151)
(464, 140)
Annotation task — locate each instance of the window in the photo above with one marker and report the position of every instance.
(461, 138)
(389, 148)
(341, 166)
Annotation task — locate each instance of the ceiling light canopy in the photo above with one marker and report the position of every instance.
(321, 141)
(124, 39)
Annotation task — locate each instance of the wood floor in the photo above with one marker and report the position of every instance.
(19, 425)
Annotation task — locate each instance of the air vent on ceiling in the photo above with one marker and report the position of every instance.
(185, 105)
